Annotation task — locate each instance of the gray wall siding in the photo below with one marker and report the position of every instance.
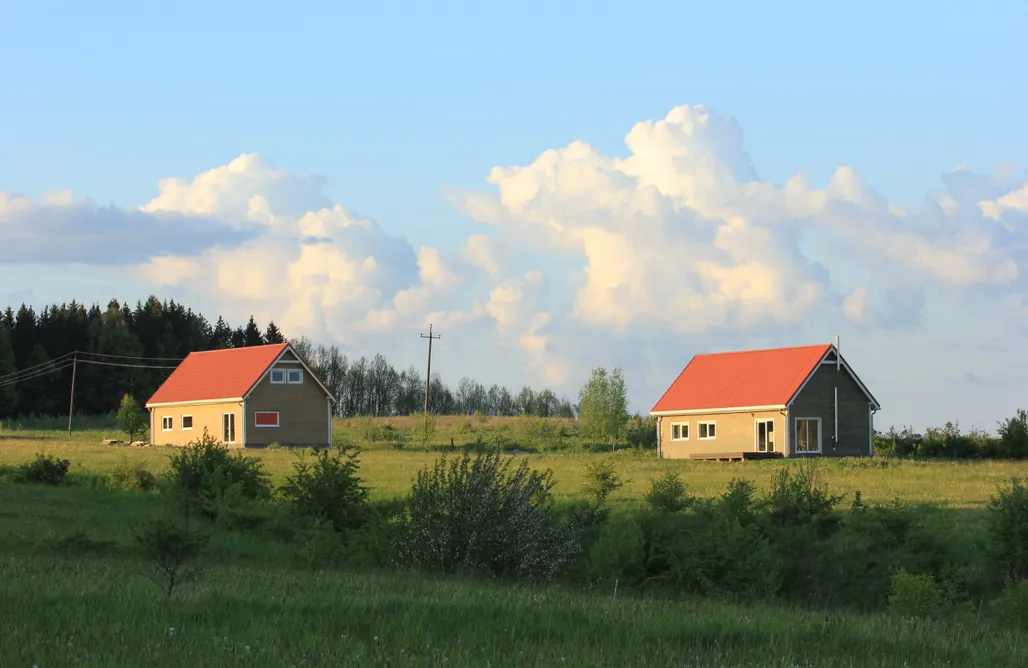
(816, 401)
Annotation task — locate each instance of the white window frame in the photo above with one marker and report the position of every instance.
(278, 419)
(756, 434)
(708, 424)
(290, 372)
(167, 423)
(796, 435)
(679, 425)
(234, 428)
(182, 420)
(282, 376)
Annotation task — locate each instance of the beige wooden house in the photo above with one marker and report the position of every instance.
(244, 397)
(754, 404)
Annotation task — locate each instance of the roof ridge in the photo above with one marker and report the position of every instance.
(764, 350)
(222, 350)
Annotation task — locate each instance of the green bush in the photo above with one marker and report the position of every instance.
(43, 470)
(1011, 607)
(479, 515)
(668, 493)
(327, 487)
(710, 553)
(206, 478)
(916, 595)
(601, 480)
(133, 475)
(801, 499)
(1008, 527)
(169, 543)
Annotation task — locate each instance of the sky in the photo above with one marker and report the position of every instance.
(555, 186)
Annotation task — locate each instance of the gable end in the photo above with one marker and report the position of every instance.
(830, 358)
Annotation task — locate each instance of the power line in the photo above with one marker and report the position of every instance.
(32, 369)
(131, 357)
(38, 372)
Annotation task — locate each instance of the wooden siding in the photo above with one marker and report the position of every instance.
(816, 400)
(302, 409)
(735, 432)
(204, 415)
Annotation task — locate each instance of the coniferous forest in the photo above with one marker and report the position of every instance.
(122, 349)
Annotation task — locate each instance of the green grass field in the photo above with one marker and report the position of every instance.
(389, 470)
(74, 592)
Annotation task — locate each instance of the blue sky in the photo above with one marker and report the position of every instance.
(398, 106)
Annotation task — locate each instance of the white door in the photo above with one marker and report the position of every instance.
(229, 428)
(765, 435)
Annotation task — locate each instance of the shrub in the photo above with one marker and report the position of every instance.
(1008, 527)
(327, 487)
(601, 481)
(133, 475)
(1013, 436)
(169, 543)
(477, 514)
(43, 470)
(801, 500)
(1012, 605)
(130, 417)
(710, 553)
(668, 494)
(916, 595)
(206, 478)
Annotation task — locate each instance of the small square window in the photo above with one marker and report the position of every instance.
(680, 431)
(708, 430)
(278, 376)
(187, 422)
(295, 376)
(167, 423)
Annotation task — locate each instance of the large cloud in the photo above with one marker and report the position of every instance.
(680, 236)
(61, 228)
(317, 268)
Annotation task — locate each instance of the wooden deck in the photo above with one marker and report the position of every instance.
(735, 456)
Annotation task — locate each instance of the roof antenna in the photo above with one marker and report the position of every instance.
(838, 361)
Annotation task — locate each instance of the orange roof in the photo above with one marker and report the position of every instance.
(217, 374)
(746, 378)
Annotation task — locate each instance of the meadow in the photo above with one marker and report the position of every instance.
(80, 593)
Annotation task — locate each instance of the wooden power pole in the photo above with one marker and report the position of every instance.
(71, 402)
(428, 373)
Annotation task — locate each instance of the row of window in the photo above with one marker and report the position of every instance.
(286, 377)
(808, 433)
(680, 431)
(260, 419)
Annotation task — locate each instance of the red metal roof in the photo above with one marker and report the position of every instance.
(217, 374)
(745, 378)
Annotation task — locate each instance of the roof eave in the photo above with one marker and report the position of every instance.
(192, 402)
(729, 409)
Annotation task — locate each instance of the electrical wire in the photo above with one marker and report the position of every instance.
(40, 374)
(53, 366)
(129, 357)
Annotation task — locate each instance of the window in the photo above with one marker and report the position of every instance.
(278, 376)
(295, 376)
(187, 422)
(265, 419)
(680, 431)
(167, 423)
(808, 434)
(708, 430)
(228, 428)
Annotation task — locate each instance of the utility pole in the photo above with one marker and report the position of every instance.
(71, 403)
(428, 374)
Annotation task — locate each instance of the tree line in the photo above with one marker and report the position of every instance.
(132, 350)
